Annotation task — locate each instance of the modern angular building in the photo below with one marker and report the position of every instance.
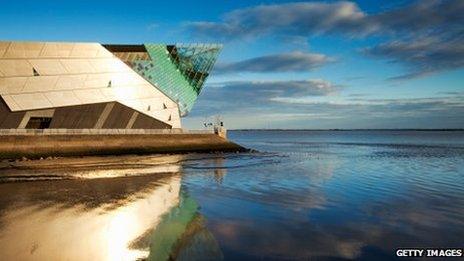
(93, 86)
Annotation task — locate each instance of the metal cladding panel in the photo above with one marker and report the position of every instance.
(109, 94)
(77, 66)
(55, 50)
(142, 91)
(108, 65)
(11, 68)
(103, 53)
(163, 115)
(70, 82)
(90, 96)
(62, 98)
(12, 84)
(47, 75)
(142, 106)
(3, 48)
(40, 84)
(85, 50)
(124, 79)
(136, 92)
(11, 103)
(97, 80)
(135, 104)
(156, 104)
(24, 50)
(31, 100)
(48, 66)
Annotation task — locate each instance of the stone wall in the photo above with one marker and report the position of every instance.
(39, 145)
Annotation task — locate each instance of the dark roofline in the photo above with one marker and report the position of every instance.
(125, 47)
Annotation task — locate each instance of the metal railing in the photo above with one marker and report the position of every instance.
(100, 131)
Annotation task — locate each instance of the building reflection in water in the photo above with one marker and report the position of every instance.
(219, 170)
(213, 167)
(96, 219)
(182, 235)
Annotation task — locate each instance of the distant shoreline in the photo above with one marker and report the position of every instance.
(346, 129)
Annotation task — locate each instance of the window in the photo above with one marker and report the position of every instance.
(39, 123)
(34, 71)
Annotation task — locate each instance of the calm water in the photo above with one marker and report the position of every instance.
(306, 194)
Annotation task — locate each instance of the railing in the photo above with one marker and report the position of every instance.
(100, 131)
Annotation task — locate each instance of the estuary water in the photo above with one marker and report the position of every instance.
(329, 195)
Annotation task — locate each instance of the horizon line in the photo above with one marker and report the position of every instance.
(355, 129)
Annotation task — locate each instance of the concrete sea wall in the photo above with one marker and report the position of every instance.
(17, 143)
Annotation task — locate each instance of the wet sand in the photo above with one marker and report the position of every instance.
(91, 167)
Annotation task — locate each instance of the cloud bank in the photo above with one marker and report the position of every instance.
(286, 62)
(257, 92)
(426, 36)
(297, 104)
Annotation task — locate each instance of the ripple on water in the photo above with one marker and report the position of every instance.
(335, 198)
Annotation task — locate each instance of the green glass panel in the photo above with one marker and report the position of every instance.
(179, 71)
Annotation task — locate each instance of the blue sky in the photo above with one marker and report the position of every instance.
(300, 64)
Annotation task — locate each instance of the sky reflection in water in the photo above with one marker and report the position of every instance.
(331, 195)
(335, 194)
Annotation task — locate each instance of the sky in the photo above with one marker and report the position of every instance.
(287, 65)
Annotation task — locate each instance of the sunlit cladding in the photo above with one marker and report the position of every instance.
(151, 85)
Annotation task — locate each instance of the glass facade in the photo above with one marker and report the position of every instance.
(179, 71)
